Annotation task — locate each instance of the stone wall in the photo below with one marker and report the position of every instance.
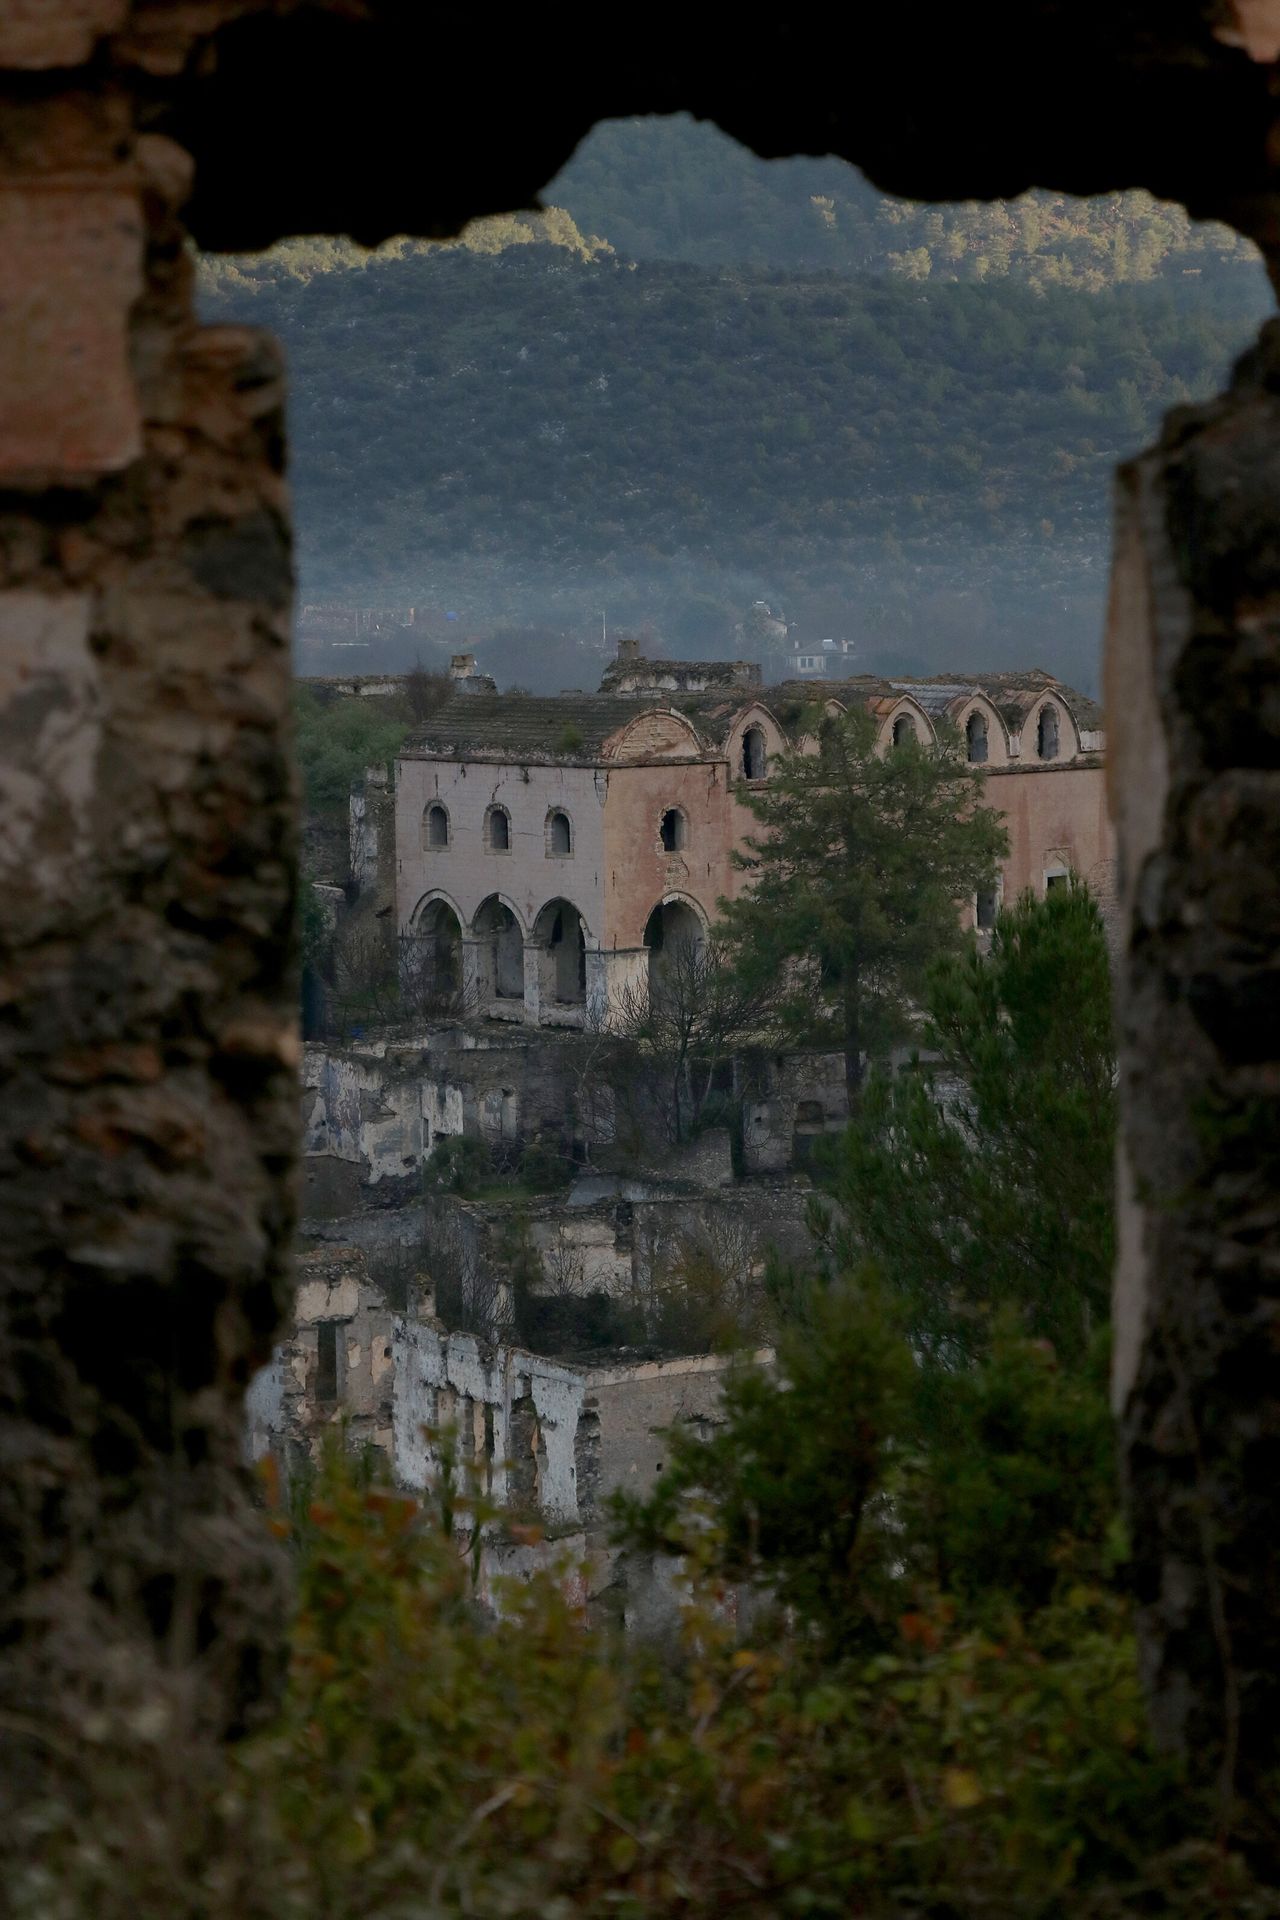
(149, 1123)
(547, 1440)
(1194, 694)
(149, 1050)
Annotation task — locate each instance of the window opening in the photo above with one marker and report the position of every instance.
(1047, 733)
(327, 1362)
(755, 759)
(674, 829)
(903, 729)
(986, 908)
(437, 826)
(499, 831)
(1053, 880)
(976, 734)
(559, 834)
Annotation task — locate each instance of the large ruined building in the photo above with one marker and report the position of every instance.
(150, 1042)
(550, 851)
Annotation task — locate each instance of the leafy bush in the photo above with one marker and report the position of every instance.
(458, 1163)
(337, 738)
(429, 1762)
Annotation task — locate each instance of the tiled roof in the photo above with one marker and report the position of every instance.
(517, 726)
(576, 726)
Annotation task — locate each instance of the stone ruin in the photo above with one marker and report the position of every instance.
(149, 1143)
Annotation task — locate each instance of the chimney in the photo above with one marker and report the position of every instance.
(462, 666)
(628, 649)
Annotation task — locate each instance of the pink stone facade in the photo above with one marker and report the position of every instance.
(620, 818)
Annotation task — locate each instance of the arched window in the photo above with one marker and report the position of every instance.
(975, 733)
(498, 830)
(435, 826)
(559, 834)
(904, 729)
(675, 830)
(755, 755)
(1047, 733)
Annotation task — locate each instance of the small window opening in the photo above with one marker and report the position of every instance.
(673, 830)
(1047, 733)
(755, 758)
(1053, 880)
(985, 909)
(436, 823)
(976, 734)
(499, 831)
(904, 729)
(327, 1362)
(559, 834)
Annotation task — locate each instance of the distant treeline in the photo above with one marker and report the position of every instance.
(899, 424)
(674, 189)
(486, 415)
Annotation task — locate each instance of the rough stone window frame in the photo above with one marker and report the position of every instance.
(755, 766)
(494, 812)
(679, 840)
(329, 1362)
(432, 810)
(555, 814)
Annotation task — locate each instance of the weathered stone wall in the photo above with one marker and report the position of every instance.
(149, 1127)
(547, 1439)
(148, 1121)
(1194, 700)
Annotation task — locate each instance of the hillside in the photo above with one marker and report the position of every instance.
(531, 436)
(677, 189)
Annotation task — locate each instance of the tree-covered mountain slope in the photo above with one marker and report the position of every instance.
(676, 189)
(539, 433)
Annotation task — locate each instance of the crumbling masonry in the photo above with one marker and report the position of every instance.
(149, 1040)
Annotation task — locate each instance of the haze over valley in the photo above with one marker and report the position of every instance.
(703, 380)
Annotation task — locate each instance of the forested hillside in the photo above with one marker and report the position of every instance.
(675, 189)
(537, 428)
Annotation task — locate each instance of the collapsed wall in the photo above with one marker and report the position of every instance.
(547, 1441)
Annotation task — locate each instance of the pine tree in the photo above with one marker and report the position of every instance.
(860, 867)
(983, 1181)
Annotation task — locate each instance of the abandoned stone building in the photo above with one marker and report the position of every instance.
(550, 1440)
(548, 851)
(151, 1045)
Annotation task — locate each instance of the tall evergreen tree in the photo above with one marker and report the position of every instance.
(984, 1180)
(859, 869)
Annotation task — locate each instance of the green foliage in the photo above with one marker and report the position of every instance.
(793, 1475)
(458, 1163)
(859, 861)
(336, 739)
(946, 425)
(542, 1167)
(679, 189)
(569, 739)
(431, 1762)
(985, 1177)
(1012, 1493)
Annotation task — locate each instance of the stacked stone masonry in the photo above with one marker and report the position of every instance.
(149, 1050)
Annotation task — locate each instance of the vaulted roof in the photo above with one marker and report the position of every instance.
(577, 727)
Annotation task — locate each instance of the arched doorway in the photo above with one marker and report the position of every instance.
(499, 952)
(561, 938)
(673, 931)
(431, 962)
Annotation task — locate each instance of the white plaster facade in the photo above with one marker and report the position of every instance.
(550, 934)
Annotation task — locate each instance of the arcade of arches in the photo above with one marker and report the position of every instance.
(151, 843)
